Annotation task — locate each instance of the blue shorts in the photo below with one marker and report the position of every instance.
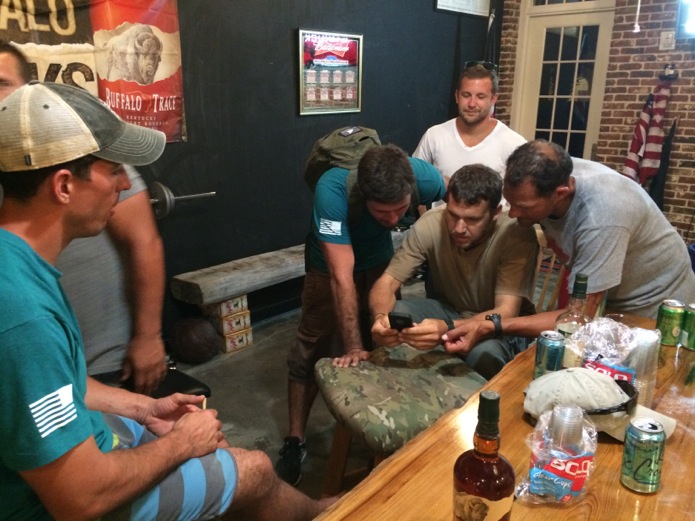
(201, 488)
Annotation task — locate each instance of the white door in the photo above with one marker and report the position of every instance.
(559, 82)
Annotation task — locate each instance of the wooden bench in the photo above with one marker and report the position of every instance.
(220, 291)
(238, 277)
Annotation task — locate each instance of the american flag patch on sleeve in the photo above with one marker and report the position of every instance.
(327, 227)
(53, 410)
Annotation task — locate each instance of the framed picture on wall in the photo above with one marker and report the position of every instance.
(330, 72)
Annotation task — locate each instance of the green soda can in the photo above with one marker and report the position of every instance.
(669, 321)
(687, 338)
(643, 455)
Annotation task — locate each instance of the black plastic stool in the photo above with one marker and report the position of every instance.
(175, 381)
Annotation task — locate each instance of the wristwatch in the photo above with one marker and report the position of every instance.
(497, 321)
(449, 324)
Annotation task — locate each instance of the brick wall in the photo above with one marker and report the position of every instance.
(634, 66)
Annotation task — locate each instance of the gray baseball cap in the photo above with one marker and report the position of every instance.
(46, 124)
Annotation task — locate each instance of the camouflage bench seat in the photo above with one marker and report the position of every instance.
(389, 399)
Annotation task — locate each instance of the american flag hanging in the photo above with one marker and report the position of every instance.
(644, 156)
(634, 155)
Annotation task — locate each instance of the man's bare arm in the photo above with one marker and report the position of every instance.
(382, 296)
(382, 299)
(469, 332)
(340, 259)
(134, 232)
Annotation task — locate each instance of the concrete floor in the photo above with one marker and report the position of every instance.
(249, 391)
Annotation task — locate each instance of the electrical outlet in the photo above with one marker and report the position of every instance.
(667, 41)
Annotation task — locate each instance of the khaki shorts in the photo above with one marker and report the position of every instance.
(318, 335)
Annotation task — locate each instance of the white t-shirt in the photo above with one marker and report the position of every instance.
(443, 147)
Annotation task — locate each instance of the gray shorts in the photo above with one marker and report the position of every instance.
(201, 488)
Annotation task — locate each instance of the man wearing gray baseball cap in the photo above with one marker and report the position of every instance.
(72, 447)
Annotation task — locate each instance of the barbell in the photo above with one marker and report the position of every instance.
(163, 200)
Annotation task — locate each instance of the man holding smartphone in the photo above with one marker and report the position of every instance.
(481, 263)
(348, 249)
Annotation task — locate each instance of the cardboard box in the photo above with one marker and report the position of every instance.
(227, 307)
(238, 340)
(232, 323)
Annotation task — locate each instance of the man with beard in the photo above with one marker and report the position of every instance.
(474, 136)
(481, 263)
(599, 223)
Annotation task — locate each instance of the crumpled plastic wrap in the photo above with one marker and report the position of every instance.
(619, 351)
(602, 337)
(557, 473)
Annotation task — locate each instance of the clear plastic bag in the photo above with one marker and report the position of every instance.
(621, 352)
(561, 459)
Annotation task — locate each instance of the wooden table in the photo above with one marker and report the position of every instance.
(416, 483)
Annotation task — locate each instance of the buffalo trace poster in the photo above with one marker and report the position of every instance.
(126, 52)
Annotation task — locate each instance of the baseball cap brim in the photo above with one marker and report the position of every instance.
(135, 146)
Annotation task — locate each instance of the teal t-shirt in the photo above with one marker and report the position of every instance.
(371, 242)
(43, 377)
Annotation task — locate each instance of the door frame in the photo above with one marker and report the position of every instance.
(527, 82)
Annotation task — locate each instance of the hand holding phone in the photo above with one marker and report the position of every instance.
(400, 321)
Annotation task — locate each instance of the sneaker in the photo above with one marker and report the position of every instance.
(289, 466)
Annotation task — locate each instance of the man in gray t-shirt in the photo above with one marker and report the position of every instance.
(599, 223)
(115, 283)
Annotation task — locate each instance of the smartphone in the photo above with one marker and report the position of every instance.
(400, 321)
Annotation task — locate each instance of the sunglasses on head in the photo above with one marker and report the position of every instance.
(489, 66)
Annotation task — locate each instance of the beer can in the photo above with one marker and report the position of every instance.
(550, 350)
(687, 338)
(669, 321)
(643, 455)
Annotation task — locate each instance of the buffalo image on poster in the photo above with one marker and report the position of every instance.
(134, 55)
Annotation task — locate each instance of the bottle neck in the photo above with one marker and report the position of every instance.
(486, 446)
(577, 303)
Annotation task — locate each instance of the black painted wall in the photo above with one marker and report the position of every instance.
(246, 140)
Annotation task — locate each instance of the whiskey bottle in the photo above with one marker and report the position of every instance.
(574, 318)
(484, 479)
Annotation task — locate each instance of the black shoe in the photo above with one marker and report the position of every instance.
(289, 466)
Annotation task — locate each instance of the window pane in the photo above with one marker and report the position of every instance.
(552, 44)
(576, 146)
(542, 135)
(585, 73)
(570, 42)
(562, 114)
(580, 113)
(566, 79)
(587, 49)
(545, 112)
(560, 138)
(548, 73)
